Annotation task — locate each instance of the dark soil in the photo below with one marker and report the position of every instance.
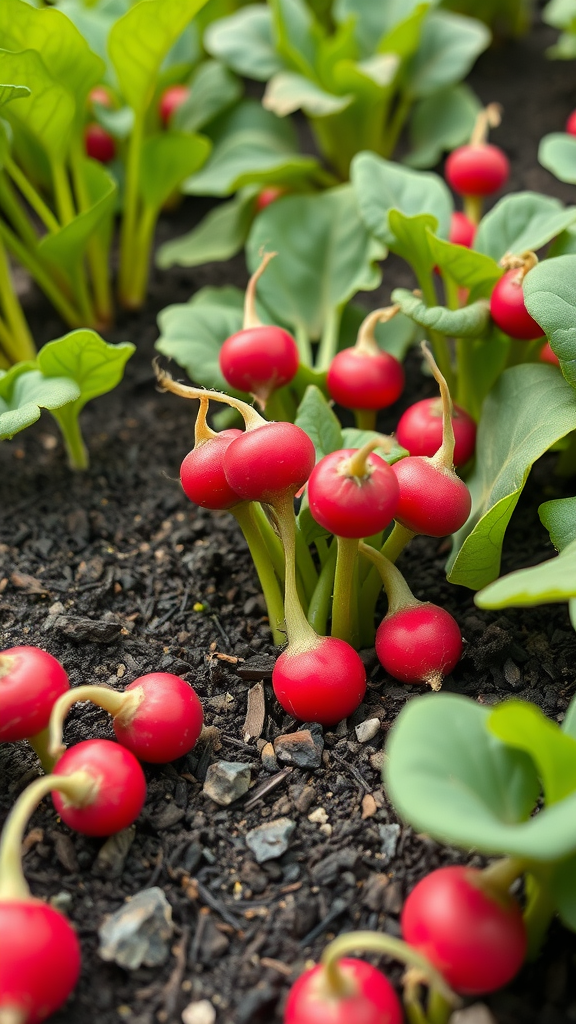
(104, 569)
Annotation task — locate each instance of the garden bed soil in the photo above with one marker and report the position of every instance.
(104, 570)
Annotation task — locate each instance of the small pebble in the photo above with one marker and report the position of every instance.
(319, 816)
(367, 730)
(199, 1013)
(303, 748)
(478, 1013)
(269, 762)
(389, 834)
(226, 781)
(271, 839)
(139, 932)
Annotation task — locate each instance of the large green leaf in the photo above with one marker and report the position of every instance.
(379, 23)
(529, 409)
(449, 45)
(440, 123)
(467, 322)
(25, 391)
(550, 582)
(66, 247)
(245, 42)
(139, 41)
(12, 92)
(213, 89)
(550, 296)
(219, 236)
(319, 267)
(468, 268)
(288, 91)
(559, 518)
(524, 220)
(92, 363)
(557, 153)
(524, 727)
(167, 159)
(48, 112)
(316, 417)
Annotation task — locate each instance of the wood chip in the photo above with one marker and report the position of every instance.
(255, 713)
(36, 835)
(276, 965)
(28, 583)
(369, 806)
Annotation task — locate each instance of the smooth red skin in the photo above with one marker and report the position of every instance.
(508, 311)
(419, 430)
(417, 643)
(99, 94)
(348, 506)
(268, 195)
(171, 99)
(28, 692)
(40, 961)
(374, 1002)
(202, 473)
(462, 230)
(547, 355)
(476, 941)
(571, 123)
(168, 721)
(431, 502)
(269, 462)
(477, 170)
(357, 380)
(259, 358)
(98, 143)
(324, 685)
(121, 793)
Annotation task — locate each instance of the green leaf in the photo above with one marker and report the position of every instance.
(524, 727)
(65, 248)
(94, 23)
(288, 91)
(193, 333)
(167, 159)
(468, 268)
(25, 391)
(92, 363)
(569, 724)
(560, 13)
(467, 322)
(118, 122)
(551, 582)
(353, 438)
(440, 123)
(563, 244)
(559, 518)
(219, 236)
(557, 153)
(316, 417)
(395, 336)
(449, 777)
(563, 887)
(319, 268)
(297, 34)
(139, 41)
(12, 92)
(550, 297)
(449, 46)
(520, 222)
(378, 23)
(213, 89)
(48, 112)
(382, 186)
(244, 42)
(528, 410)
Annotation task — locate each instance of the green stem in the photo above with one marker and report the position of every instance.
(271, 540)
(39, 744)
(244, 516)
(365, 419)
(129, 219)
(97, 250)
(304, 345)
(540, 909)
(301, 636)
(344, 602)
(396, 542)
(18, 346)
(439, 1009)
(473, 208)
(396, 125)
(391, 549)
(13, 209)
(63, 193)
(438, 341)
(329, 340)
(305, 564)
(321, 545)
(134, 295)
(41, 276)
(31, 195)
(277, 406)
(397, 590)
(319, 606)
(68, 420)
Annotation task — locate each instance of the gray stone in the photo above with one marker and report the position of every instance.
(112, 855)
(367, 730)
(373, 891)
(139, 932)
(327, 870)
(62, 901)
(271, 839)
(226, 781)
(389, 834)
(269, 762)
(478, 1013)
(303, 748)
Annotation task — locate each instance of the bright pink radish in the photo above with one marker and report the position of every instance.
(259, 360)
(269, 195)
(477, 170)
(368, 997)
(419, 644)
(117, 793)
(359, 380)
(98, 143)
(508, 310)
(202, 473)
(31, 681)
(166, 722)
(349, 503)
(571, 123)
(273, 460)
(419, 430)
(462, 230)
(172, 98)
(324, 684)
(100, 94)
(547, 355)
(40, 960)
(473, 933)
(433, 501)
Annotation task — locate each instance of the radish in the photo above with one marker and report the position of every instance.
(462, 230)
(172, 98)
(354, 492)
(433, 500)
(31, 681)
(478, 169)
(364, 378)
(467, 924)
(261, 357)
(202, 471)
(547, 355)
(571, 123)
(268, 195)
(98, 143)
(100, 94)
(507, 307)
(98, 787)
(417, 642)
(419, 430)
(158, 717)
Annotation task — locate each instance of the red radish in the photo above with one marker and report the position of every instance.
(419, 430)
(269, 195)
(507, 307)
(202, 472)
(100, 94)
(364, 377)
(472, 931)
(98, 143)
(324, 684)
(261, 357)
(114, 787)
(273, 460)
(462, 230)
(172, 98)
(547, 355)
(31, 681)
(366, 997)
(158, 716)
(571, 123)
(477, 170)
(353, 493)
